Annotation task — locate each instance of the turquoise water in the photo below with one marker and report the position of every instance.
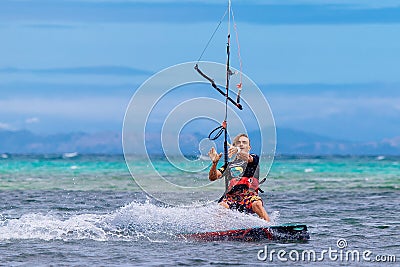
(87, 210)
(85, 172)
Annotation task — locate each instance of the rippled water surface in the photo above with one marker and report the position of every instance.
(87, 210)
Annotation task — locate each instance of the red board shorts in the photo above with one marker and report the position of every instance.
(241, 200)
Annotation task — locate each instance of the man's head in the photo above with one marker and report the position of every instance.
(242, 141)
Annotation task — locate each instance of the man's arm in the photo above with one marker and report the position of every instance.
(214, 174)
(245, 156)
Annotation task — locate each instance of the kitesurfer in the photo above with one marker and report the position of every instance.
(241, 174)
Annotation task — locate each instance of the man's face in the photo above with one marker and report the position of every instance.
(243, 143)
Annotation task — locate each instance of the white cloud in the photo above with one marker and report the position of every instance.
(5, 126)
(32, 120)
(295, 108)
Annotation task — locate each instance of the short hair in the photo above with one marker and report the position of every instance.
(238, 136)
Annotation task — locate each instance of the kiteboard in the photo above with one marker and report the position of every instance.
(285, 232)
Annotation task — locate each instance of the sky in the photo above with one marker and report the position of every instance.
(326, 67)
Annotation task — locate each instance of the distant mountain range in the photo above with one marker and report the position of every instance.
(25, 142)
(297, 142)
(288, 142)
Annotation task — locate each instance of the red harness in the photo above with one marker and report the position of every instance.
(249, 183)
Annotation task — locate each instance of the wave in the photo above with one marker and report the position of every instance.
(133, 222)
(68, 155)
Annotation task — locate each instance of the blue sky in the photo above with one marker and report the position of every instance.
(327, 67)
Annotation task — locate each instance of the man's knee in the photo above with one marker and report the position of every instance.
(257, 204)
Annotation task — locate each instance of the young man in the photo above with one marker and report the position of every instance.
(242, 178)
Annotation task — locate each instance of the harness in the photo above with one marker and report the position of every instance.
(240, 183)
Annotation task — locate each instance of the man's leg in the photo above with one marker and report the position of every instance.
(258, 208)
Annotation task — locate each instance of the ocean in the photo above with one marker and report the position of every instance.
(86, 210)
